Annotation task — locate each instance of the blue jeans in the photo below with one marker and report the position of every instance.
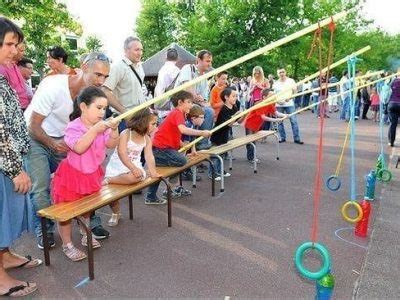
(208, 124)
(345, 112)
(293, 123)
(165, 158)
(357, 108)
(40, 162)
(314, 99)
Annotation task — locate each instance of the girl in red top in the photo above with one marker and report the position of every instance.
(255, 119)
(375, 104)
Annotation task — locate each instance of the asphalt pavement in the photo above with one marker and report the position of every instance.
(241, 243)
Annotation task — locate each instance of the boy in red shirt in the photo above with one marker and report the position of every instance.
(256, 118)
(167, 141)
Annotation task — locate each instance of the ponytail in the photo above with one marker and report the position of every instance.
(76, 112)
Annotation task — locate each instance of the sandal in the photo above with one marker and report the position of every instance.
(30, 263)
(95, 243)
(21, 290)
(114, 220)
(74, 253)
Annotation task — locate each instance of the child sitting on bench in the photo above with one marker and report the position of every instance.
(255, 119)
(125, 166)
(168, 140)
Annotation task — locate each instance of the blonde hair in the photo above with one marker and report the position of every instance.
(258, 69)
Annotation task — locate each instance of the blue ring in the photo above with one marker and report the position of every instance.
(336, 179)
(326, 260)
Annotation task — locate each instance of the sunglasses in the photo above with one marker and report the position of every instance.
(100, 56)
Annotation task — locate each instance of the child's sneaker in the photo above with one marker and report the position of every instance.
(73, 253)
(114, 219)
(95, 242)
(217, 177)
(182, 191)
(226, 174)
(157, 201)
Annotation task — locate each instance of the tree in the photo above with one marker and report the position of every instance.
(156, 26)
(44, 22)
(93, 43)
(233, 28)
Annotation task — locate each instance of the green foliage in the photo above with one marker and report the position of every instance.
(44, 22)
(93, 43)
(156, 26)
(233, 28)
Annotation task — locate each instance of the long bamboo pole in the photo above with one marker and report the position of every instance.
(235, 62)
(276, 98)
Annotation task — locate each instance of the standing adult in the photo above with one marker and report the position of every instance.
(14, 182)
(57, 61)
(345, 92)
(124, 86)
(25, 66)
(288, 87)
(394, 110)
(13, 75)
(47, 117)
(257, 84)
(333, 94)
(166, 80)
(200, 90)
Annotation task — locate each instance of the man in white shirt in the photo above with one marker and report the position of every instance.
(288, 85)
(124, 86)
(47, 117)
(166, 77)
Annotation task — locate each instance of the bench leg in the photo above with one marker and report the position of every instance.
(398, 161)
(180, 179)
(169, 200)
(46, 247)
(130, 207)
(277, 145)
(212, 177)
(255, 156)
(82, 222)
(221, 160)
(194, 172)
(230, 160)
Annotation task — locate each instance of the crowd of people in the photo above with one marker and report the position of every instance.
(62, 142)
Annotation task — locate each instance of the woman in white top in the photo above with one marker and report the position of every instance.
(125, 166)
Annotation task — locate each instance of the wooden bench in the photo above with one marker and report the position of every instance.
(74, 210)
(236, 143)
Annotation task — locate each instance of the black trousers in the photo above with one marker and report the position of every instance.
(394, 114)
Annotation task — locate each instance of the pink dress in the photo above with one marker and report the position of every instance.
(79, 175)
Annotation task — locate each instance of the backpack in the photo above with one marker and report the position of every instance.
(165, 104)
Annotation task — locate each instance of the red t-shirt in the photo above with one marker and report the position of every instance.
(254, 120)
(168, 135)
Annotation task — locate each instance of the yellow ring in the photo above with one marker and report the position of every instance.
(357, 207)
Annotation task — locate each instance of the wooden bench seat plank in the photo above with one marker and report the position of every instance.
(235, 143)
(66, 211)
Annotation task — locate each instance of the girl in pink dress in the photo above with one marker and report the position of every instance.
(80, 174)
(125, 166)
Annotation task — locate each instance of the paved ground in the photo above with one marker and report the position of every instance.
(240, 243)
(381, 270)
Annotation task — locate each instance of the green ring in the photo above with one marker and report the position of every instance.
(385, 175)
(326, 260)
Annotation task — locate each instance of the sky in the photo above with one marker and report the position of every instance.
(114, 20)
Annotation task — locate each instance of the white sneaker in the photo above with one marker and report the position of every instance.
(114, 219)
(226, 174)
(95, 242)
(217, 178)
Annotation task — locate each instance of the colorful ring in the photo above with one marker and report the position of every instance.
(357, 207)
(385, 175)
(326, 260)
(333, 183)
